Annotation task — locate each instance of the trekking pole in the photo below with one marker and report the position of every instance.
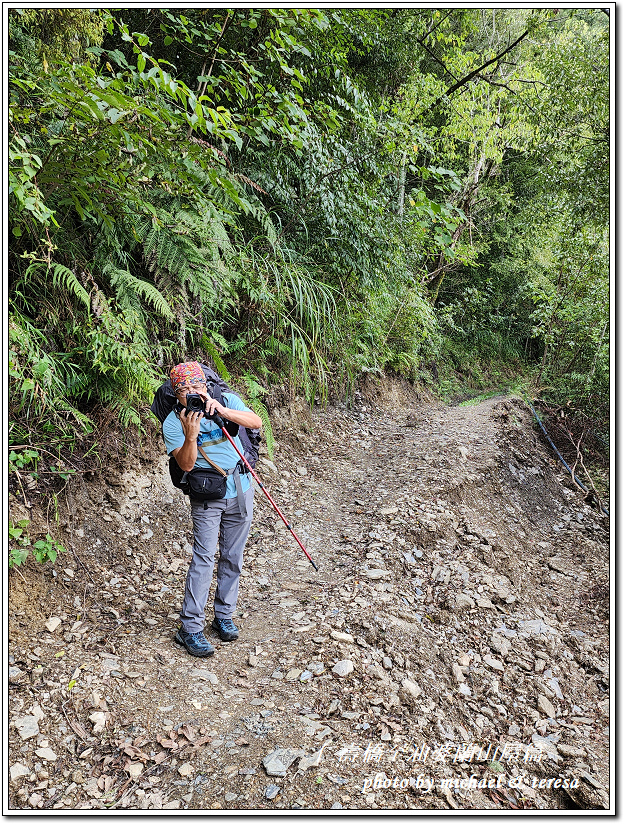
(220, 422)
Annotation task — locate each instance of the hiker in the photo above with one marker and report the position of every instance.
(227, 519)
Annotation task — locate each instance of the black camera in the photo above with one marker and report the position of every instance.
(195, 403)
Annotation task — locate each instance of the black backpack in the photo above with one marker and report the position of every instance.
(165, 400)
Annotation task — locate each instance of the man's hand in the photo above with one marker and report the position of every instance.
(249, 419)
(191, 422)
(213, 406)
(186, 455)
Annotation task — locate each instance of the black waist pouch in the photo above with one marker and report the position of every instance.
(206, 484)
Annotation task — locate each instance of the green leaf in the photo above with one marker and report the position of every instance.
(93, 108)
(114, 115)
(17, 556)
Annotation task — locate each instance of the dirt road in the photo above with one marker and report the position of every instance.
(452, 650)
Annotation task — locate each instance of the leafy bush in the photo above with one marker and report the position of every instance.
(45, 549)
(304, 195)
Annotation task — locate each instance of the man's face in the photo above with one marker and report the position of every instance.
(198, 388)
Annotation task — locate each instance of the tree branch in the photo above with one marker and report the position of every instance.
(439, 23)
(202, 86)
(437, 59)
(475, 72)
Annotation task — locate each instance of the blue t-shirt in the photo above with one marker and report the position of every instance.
(213, 442)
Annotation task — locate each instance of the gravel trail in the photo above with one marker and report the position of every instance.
(451, 652)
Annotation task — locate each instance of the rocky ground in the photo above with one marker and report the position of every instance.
(451, 652)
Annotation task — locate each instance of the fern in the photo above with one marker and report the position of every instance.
(260, 409)
(62, 276)
(126, 284)
(254, 389)
(254, 392)
(216, 358)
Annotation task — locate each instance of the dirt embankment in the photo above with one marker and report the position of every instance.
(452, 650)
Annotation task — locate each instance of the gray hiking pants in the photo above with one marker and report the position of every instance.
(221, 522)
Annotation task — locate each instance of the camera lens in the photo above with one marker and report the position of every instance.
(194, 403)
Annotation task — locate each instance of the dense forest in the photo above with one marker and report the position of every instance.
(306, 196)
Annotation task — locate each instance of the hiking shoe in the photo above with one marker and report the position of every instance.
(195, 643)
(226, 629)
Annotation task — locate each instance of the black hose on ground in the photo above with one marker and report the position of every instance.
(561, 458)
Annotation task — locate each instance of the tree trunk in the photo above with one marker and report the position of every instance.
(593, 368)
(539, 377)
(401, 199)
(464, 202)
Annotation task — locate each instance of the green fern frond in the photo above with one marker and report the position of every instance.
(254, 389)
(274, 346)
(128, 415)
(63, 276)
(260, 409)
(125, 282)
(211, 349)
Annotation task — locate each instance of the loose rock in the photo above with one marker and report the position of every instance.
(46, 753)
(27, 726)
(571, 752)
(18, 771)
(409, 689)
(52, 624)
(343, 668)
(493, 663)
(344, 637)
(544, 705)
(461, 602)
(376, 574)
(278, 761)
(458, 674)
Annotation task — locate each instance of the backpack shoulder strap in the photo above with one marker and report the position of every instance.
(212, 463)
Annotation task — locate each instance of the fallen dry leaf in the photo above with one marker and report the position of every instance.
(200, 741)
(78, 729)
(188, 732)
(134, 768)
(135, 752)
(167, 743)
(105, 782)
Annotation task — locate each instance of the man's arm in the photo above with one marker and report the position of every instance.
(246, 419)
(186, 455)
